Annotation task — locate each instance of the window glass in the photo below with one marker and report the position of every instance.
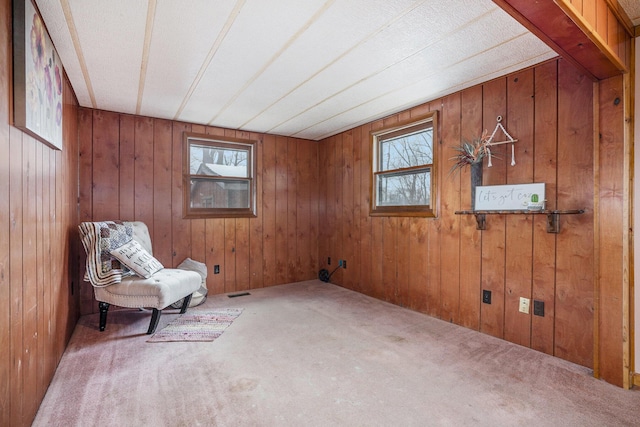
(215, 161)
(219, 173)
(219, 193)
(405, 189)
(403, 168)
(414, 149)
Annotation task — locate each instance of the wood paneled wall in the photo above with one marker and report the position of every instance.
(131, 169)
(612, 235)
(440, 266)
(38, 250)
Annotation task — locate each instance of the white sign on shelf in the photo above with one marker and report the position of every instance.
(512, 197)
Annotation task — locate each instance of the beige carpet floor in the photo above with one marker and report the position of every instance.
(315, 354)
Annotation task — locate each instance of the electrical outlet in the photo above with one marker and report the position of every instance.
(344, 263)
(216, 269)
(538, 308)
(339, 263)
(486, 296)
(524, 305)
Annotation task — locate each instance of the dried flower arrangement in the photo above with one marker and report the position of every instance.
(470, 152)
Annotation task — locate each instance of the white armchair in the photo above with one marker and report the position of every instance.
(121, 268)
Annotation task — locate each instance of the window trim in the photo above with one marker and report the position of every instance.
(190, 138)
(394, 130)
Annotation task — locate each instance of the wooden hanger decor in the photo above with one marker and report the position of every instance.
(510, 140)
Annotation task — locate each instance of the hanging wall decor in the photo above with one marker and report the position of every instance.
(510, 140)
(37, 77)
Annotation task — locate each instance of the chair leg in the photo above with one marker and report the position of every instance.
(103, 314)
(155, 318)
(185, 303)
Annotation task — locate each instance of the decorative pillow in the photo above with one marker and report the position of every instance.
(134, 256)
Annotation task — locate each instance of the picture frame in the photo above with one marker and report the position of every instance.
(37, 77)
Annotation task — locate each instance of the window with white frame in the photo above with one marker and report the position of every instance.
(219, 177)
(403, 165)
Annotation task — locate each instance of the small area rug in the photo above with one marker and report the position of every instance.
(197, 326)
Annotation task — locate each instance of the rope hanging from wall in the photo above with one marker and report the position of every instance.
(510, 140)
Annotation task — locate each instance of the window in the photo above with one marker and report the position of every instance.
(404, 169)
(219, 177)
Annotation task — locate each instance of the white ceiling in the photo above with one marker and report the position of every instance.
(632, 9)
(308, 69)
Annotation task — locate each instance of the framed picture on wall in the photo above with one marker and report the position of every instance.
(37, 77)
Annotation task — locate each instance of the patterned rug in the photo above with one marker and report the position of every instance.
(197, 326)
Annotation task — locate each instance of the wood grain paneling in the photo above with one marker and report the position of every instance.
(15, 413)
(545, 170)
(362, 193)
(5, 246)
(519, 229)
(440, 266)
(105, 164)
(281, 210)
(256, 232)
(611, 225)
(126, 165)
(335, 205)
(278, 246)
(29, 274)
(38, 246)
(449, 203)
(307, 198)
(347, 214)
(143, 168)
(269, 195)
(293, 258)
(470, 237)
(162, 174)
(493, 240)
(574, 255)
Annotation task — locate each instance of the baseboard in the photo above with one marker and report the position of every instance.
(635, 379)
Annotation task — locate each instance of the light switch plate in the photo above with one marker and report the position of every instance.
(524, 305)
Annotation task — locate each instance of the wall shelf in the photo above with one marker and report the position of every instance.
(553, 216)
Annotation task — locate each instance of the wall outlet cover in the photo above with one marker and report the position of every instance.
(486, 296)
(524, 305)
(538, 308)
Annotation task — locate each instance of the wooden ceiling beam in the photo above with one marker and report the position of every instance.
(565, 30)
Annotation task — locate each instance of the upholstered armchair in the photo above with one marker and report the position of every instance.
(123, 272)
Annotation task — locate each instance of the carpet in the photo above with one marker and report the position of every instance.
(197, 326)
(314, 354)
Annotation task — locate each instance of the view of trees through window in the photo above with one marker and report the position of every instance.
(219, 175)
(407, 158)
(236, 161)
(403, 166)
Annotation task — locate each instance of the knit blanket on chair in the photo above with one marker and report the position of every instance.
(98, 239)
